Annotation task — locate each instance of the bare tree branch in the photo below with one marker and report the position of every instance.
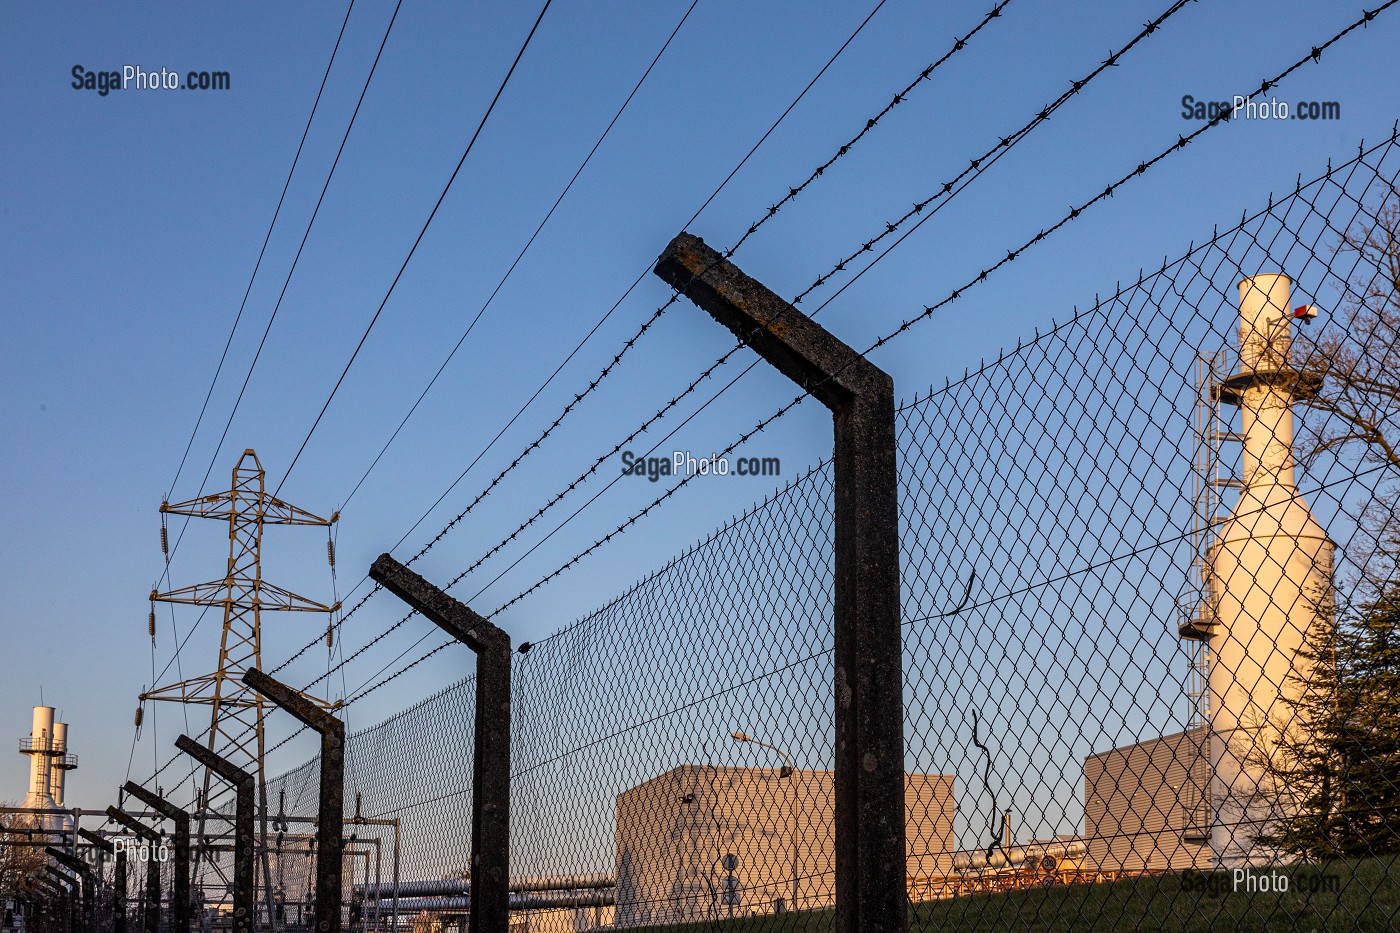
(1357, 353)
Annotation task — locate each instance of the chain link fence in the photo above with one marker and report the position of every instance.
(1151, 642)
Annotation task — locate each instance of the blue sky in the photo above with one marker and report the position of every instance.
(130, 225)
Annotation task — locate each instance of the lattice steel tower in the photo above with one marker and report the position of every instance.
(236, 723)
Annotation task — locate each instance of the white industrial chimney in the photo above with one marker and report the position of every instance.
(1270, 580)
(62, 763)
(40, 749)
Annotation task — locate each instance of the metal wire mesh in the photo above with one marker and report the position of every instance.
(1113, 707)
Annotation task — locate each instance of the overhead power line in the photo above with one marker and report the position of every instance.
(261, 252)
(1142, 167)
(647, 325)
(223, 357)
(943, 195)
(441, 197)
(419, 239)
(521, 255)
(958, 45)
(302, 246)
(1314, 55)
(266, 330)
(976, 167)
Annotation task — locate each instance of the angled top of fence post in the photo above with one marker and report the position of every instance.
(47, 885)
(98, 841)
(213, 761)
(293, 702)
(133, 824)
(48, 881)
(453, 617)
(870, 856)
(786, 338)
(61, 875)
(159, 804)
(68, 861)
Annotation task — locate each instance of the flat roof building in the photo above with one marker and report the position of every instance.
(703, 842)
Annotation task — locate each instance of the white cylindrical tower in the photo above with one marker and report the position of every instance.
(60, 747)
(62, 763)
(1270, 582)
(39, 748)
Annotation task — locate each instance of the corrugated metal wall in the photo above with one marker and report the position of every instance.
(1141, 803)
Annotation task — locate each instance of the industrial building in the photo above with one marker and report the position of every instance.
(1200, 798)
(703, 842)
(1144, 805)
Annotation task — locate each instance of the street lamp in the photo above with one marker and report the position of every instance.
(787, 771)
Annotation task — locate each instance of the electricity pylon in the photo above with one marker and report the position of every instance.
(236, 723)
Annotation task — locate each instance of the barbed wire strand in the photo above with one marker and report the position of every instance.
(523, 250)
(793, 192)
(1314, 55)
(949, 190)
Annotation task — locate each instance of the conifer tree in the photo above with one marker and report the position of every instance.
(1334, 777)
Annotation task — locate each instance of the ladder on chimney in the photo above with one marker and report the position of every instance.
(1197, 610)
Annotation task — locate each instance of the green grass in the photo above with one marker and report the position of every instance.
(1367, 898)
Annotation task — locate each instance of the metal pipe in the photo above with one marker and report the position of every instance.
(1015, 855)
(396, 875)
(378, 877)
(517, 902)
(450, 887)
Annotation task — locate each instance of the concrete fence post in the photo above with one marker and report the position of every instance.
(151, 919)
(68, 893)
(118, 877)
(871, 895)
(244, 886)
(180, 885)
(330, 819)
(88, 902)
(490, 896)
